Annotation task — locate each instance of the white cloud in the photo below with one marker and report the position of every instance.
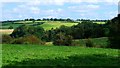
(50, 17)
(32, 6)
(84, 8)
(93, 6)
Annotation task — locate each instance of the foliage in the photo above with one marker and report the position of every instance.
(31, 39)
(85, 29)
(89, 43)
(10, 27)
(61, 39)
(6, 39)
(114, 35)
(25, 30)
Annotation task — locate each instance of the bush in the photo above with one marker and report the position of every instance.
(6, 39)
(89, 43)
(25, 30)
(10, 27)
(62, 39)
(31, 39)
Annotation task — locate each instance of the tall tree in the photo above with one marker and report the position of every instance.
(114, 35)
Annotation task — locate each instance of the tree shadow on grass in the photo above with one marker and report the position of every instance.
(76, 61)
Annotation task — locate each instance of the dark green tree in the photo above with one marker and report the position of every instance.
(114, 35)
(25, 30)
(62, 39)
(10, 27)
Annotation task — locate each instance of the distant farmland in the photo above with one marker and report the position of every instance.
(47, 25)
(6, 31)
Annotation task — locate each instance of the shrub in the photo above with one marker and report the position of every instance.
(89, 43)
(6, 39)
(25, 30)
(31, 39)
(62, 39)
(10, 27)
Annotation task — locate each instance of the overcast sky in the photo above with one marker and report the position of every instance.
(74, 9)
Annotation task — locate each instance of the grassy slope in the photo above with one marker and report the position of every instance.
(103, 41)
(49, 25)
(36, 55)
(0, 55)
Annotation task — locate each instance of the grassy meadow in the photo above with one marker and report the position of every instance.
(49, 25)
(50, 55)
(0, 55)
(40, 55)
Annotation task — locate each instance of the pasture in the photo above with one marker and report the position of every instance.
(40, 55)
(6, 31)
(54, 25)
(0, 55)
(47, 25)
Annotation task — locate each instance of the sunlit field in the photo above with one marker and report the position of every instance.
(40, 55)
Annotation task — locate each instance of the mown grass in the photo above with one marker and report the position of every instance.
(41, 55)
(54, 25)
(100, 22)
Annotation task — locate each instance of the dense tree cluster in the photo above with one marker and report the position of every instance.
(25, 30)
(86, 29)
(62, 39)
(114, 34)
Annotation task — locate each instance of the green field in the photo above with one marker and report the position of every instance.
(40, 55)
(0, 55)
(49, 25)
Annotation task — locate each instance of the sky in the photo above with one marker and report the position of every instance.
(74, 9)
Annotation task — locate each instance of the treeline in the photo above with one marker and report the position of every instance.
(68, 19)
(92, 20)
(53, 19)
